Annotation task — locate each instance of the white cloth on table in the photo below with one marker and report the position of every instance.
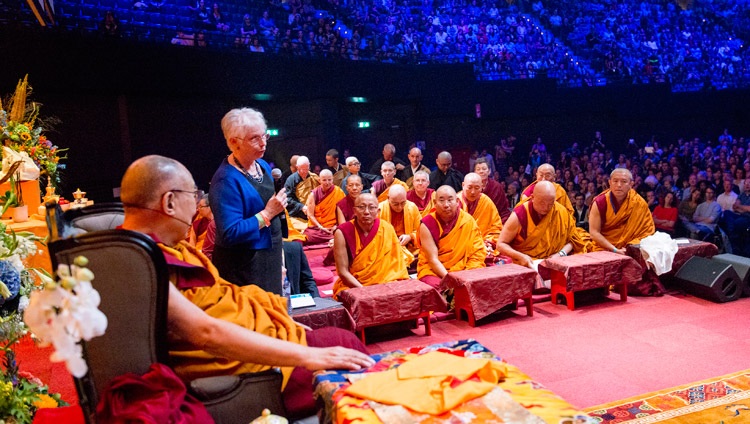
(659, 250)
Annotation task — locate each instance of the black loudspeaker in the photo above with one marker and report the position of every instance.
(741, 266)
(712, 280)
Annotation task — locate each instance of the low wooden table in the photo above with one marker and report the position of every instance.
(587, 271)
(482, 291)
(326, 313)
(392, 302)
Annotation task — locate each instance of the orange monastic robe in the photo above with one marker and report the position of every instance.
(627, 223)
(376, 259)
(248, 306)
(381, 190)
(459, 249)
(485, 213)
(542, 237)
(325, 206)
(410, 225)
(561, 196)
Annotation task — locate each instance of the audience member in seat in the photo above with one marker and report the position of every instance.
(449, 240)
(415, 165)
(481, 208)
(345, 206)
(493, 189)
(381, 187)
(541, 228)
(389, 155)
(353, 165)
(404, 216)
(338, 170)
(445, 174)
(421, 195)
(546, 172)
(686, 210)
(737, 222)
(619, 216)
(366, 249)
(298, 186)
(705, 217)
(321, 210)
(215, 327)
(665, 214)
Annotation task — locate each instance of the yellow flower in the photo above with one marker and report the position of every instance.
(5, 388)
(25, 136)
(45, 401)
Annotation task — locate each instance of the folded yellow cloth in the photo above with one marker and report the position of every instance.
(432, 383)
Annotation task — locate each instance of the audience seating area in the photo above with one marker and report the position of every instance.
(586, 43)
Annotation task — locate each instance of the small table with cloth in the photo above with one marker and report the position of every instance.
(392, 302)
(686, 249)
(326, 313)
(586, 271)
(516, 398)
(482, 291)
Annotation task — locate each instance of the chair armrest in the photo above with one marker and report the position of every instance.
(240, 398)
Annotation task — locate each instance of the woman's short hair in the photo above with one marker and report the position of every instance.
(237, 121)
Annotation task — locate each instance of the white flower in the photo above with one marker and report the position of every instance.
(63, 314)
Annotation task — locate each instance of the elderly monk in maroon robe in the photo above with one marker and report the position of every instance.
(546, 172)
(421, 195)
(492, 189)
(345, 207)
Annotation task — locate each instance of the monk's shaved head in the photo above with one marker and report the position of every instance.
(472, 186)
(545, 172)
(146, 180)
(365, 198)
(397, 192)
(445, 190)
(473, 178)
(326, 173)
(544, 197)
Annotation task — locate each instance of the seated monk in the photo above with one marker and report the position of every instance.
(404, 216)
(321, 210)
(381, 187)
(546, 172)
(215, 327)
(492, 188)
(366, 248)
(345, 206)
(449, 240)
(619, 216)
(204, 217)
(481, 208)
(421, 195)
(540, 228)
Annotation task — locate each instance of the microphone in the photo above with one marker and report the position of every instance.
(160, 212)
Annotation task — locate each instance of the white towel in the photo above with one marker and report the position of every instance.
(659, 250)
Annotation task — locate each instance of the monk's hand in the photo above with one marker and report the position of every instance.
(333, 358)
(527, 261)
(277, 203)
(404, 239)
(400, 167)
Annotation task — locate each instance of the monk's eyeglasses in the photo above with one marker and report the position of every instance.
(369, 208)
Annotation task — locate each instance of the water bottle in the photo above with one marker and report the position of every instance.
(286, 290)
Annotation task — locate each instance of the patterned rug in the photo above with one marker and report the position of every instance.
(724, 399)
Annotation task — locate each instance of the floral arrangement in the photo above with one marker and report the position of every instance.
(20, 393)
(22, 131)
